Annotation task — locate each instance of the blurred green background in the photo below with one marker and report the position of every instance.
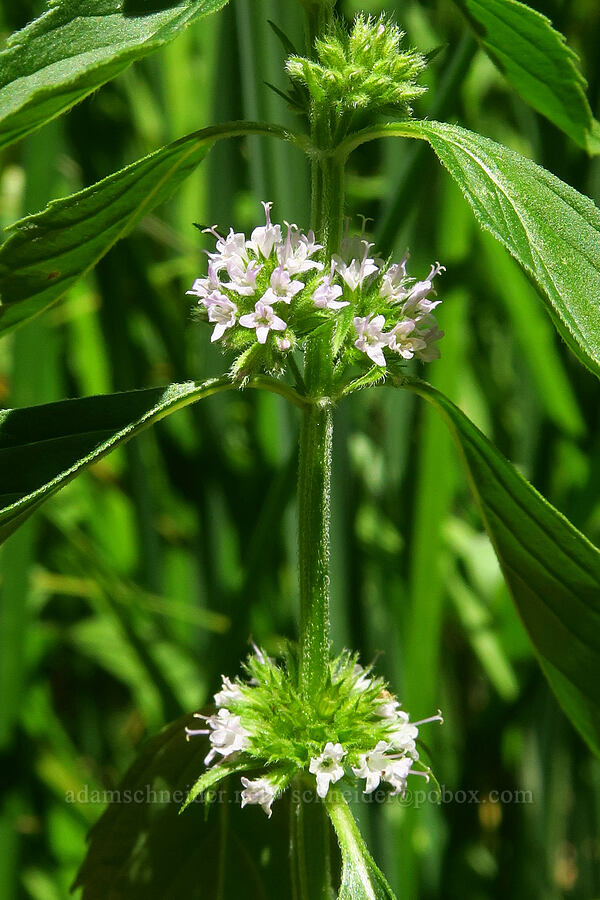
(124, 599)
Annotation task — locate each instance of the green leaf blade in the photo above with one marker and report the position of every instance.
(547, 226)
(142, 849)
(74, 48)
(536, 60)
(552, 571)
(361, 879)
(42, 448)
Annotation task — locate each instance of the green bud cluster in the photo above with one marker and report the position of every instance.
(358, 73)
(284, 726)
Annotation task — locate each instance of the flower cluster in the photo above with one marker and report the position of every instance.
(357, 73)
(355, 729)
(266, 294)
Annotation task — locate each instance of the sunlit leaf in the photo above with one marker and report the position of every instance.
(552, 230)
(77, 46)
(537, 62)
(551, 569)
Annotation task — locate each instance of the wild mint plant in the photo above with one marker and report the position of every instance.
(313, 315)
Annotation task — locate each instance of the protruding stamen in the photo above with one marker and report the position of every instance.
(437, 718)
(192, 732)
(424, 775)
(363, 229)
(268, 206)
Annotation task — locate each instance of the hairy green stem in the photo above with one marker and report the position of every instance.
(328, 201)
(314, 480)
(310, 826)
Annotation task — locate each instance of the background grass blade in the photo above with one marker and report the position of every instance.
(46, 253)
(536, 61)
(551, 569)
(44, 447)
(75, 47)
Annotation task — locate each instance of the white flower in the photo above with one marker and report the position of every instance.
(326, 294)
(373, 766)
(222, 312)
(243, 277)
(403, 339)
(416, 300)
(397, 772)
(263, 239)
(282, 288)
(261, 791)
(231, 248)
(422, 288)
(294, 255)
(229, 692)
(311, 244)
(202, 287)
(327, 767)
(404, 735)
(388, 709)
(378, 765)
(228, 735)
(371, 339)
(264, 320)
(355, 272)
(393, 278)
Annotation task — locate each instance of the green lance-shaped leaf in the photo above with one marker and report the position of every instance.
(77, 46)
(537, 62)
(551, 569)
(44, 447)
(551, 230)
(142, 849)
(47, 252)
(361, 879)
